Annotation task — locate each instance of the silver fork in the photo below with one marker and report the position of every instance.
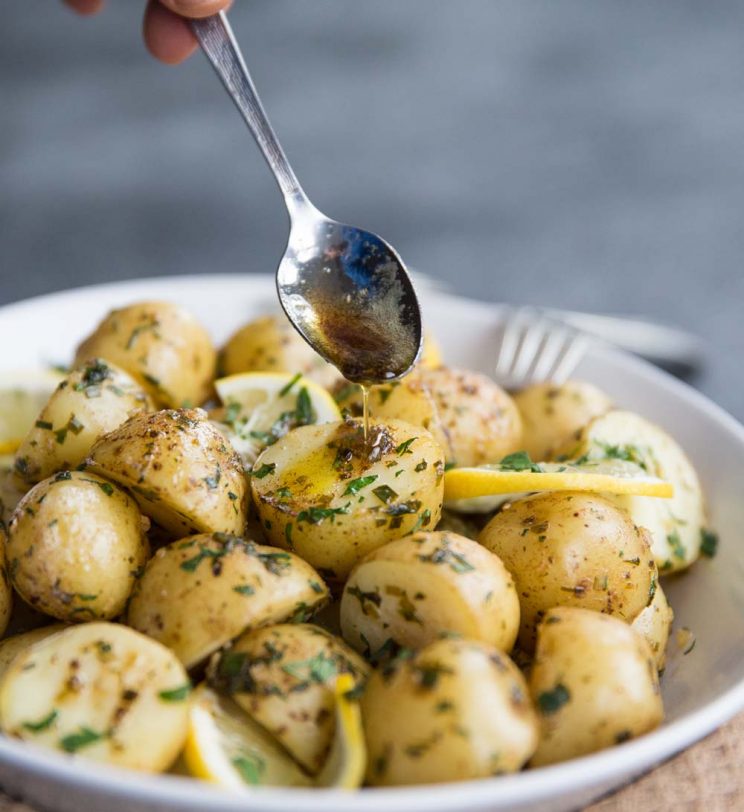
(534, 348)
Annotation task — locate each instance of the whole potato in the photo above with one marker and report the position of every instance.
(594, 683)
(655, 624)
(159, 344)
(675, 524)
(100, 691)
(416, 589)
(571, 549)
(552, 414)
(457, 710)
(283, 676)
(182, 472)
(91, 401)
(198, 594)
(76, 545)
(271, 344)
(470, 416)
(332, 496)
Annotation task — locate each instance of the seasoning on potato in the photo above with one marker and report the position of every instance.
(572, 549)
(594, 682)
(199, 593)
(283, 676)
(180, 469)
(457, 710)
(331, 496)
(100, 691)
(76, 545)
(159, 344)
(412, 591)
(91, 401)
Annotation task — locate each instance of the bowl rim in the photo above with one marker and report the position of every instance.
(627, 759)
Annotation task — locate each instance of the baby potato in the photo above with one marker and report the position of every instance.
(655, 624)
(457, 710)
(91, 401)
(6, 593)
(594, 683)
(571, 549)
(675, 524)
(11, 493)
(552, 414)
(76, 544)
(328, 494)
(271, 344)
(198, 594)
(283, 676)
(102, 691)
(12, 646)
(159, 344)
(181, 470)
(414, 590)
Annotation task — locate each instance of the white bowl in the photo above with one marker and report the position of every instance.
(701, 690)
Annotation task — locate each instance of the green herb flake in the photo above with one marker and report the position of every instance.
(316, 515)
(550, 702)
(519, 461)
(107, 488)
(405, 447)
(318, 669)
(422, 466)
(287, 388)
(83, 738)
(266, 469)
(44, 424)
(708, 543)
(675, 542)
(385, 494)
(244, 589)
(176, 694)
(356, 485)
(42, 724)
(250, 768)
(316, 587)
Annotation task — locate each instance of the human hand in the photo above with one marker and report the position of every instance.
(167, 34)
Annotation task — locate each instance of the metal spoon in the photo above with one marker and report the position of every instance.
(345, 290)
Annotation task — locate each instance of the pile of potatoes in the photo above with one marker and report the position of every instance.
(162, 562)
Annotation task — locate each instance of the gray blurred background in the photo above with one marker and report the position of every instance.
(577, 154)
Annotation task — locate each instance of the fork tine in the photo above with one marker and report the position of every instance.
(510, 338)
(550, 353)
(574, 351)
(532, 338)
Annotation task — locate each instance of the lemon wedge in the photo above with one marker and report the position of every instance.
(482, 489)
(226, 747)
(23, 394)
(260, 407)
(347, 761)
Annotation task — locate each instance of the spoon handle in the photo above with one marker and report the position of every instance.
(218, 42)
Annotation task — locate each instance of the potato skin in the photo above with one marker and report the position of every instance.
(571, 549)
(75, 546)
(415, 590)
(552, 414)
(180, 469)
(91, 401)
(283, 676)
(271, 344)
(102, 691)
(199, 593)
(655, 624)
(6, 593)
(594, 682)
(326, 493)
(160, 345)
(457, 710)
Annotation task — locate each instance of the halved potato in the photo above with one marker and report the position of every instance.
(553, 413)
(457, 710)
(159, 344)
(284, 677)
(571, 549)
(198, 594)
(180, 469)
(100, 691)
(76, 544)
(332, 496)
(414, 590)
(674, 524)
(594, 682)
(271, 344)
(91, 401)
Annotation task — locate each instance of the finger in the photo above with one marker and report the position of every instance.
(85, 6)
(196, 8)
(167, 36)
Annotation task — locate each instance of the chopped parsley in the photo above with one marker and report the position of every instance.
(250, 768)
(356, 485)
(83, 738)
(266, 469)
(385, 494)
(285, 390)
(176, 694)
(708, 542)
(405, 447)
(42, 724)
(444, 554)
(318, 669)
(316, 515)
(519, 461)
(550, 702)
(675, 542)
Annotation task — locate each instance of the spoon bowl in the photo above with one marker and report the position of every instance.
(344, 289)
